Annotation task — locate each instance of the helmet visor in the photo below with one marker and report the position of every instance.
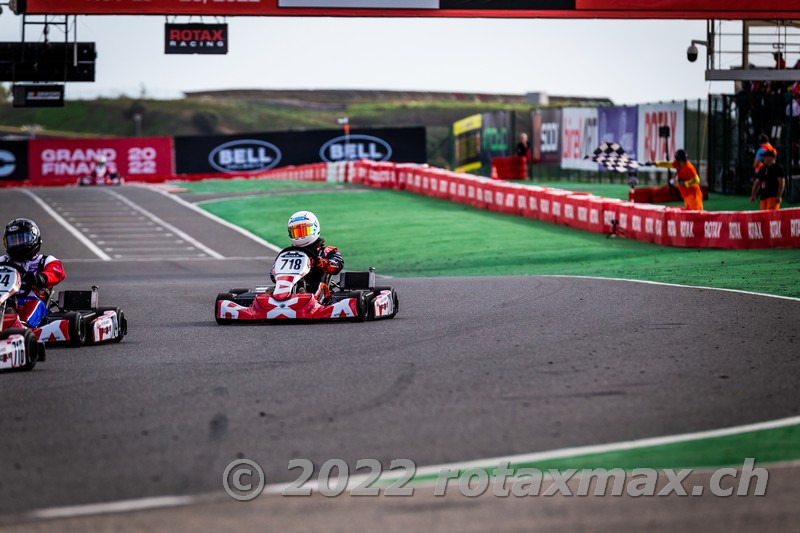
(16, 240)
(298, 231)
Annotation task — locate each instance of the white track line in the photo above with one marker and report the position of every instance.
(69, 227)
(278, 488)
(171, 259)
(180, 233)
(791, 298)
(215, 218)
(114, 507)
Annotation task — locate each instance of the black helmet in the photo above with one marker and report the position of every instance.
(22, 239)
(680, 155)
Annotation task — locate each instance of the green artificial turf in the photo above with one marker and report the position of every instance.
(403, 234)
(251, 184)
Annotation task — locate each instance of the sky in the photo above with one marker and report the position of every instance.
(629, 61)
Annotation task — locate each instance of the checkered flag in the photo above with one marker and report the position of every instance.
(614, 158)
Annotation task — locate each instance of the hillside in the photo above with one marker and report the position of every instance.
(243, 111)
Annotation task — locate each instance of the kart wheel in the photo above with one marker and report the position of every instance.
(362, 304)
(76, 329)
(29, 340)
(396, 302)
(223, 296)
(122, 322)
(237, 291)
(32, 350)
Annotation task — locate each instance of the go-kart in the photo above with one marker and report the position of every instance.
(105, 178)
(354, 297)
(73, 319)
(19, 348)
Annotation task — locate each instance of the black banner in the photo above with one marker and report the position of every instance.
(495, 137)
(547, 137)
(256, 152)
(38, 95)
(13, 160)
(196, 39)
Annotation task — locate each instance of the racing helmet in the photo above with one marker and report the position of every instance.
(303, 228)
(100, 161)
(22, 239)
(681, 155)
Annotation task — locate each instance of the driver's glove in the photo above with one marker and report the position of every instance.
(34, 279)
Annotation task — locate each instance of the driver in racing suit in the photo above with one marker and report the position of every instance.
(304, 231)
(22, 240)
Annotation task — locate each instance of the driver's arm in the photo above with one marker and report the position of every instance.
(53, 273)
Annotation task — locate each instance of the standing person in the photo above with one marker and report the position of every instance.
(523, 148)
(770, 183)
(688, 180)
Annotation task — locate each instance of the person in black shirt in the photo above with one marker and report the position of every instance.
(770, 183)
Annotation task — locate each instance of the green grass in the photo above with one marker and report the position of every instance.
(765, 446)
(255, 185)
(403, 234)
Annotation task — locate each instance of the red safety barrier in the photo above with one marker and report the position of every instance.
(509, 168)
(659, 195)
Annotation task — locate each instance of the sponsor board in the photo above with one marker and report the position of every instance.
(13, 160)
(196, 39)
(546, 130)
(579, 137)
(65, 160)
(258, 152)
(652, 147)
(657, 9)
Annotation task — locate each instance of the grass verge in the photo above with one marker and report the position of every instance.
(403, 234)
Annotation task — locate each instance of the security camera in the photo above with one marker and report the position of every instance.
(691, 53)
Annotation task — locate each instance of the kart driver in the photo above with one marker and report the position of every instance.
(22, 240)
(102, 170)
(304, 231)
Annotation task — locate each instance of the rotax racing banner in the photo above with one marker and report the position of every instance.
(652, 117)
(65, 160)
(196, 39)
(257, 152)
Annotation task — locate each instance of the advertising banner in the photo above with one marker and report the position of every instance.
(257, 152)
(495, 137)
(579, 138)
(196, 39)
(546, 145)
(467, 150)
(13, 160)
(65, 160)
(652, 119)
(618, 125)
(653, 9)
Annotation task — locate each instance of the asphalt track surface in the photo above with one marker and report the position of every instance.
(470, 368)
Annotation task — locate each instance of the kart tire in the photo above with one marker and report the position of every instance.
(76, 329)
(362, 304)
(31, 348)
(223, 296)
(239, 290)
(396, 302)
(122, 322)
